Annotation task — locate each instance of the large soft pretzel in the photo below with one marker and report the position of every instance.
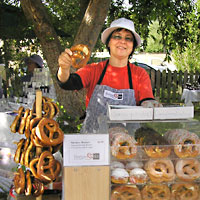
(49, 108)
(19, 149)
(36, 141)
(157, 151)
(160, 170)
(27, 126)
(186, 144)
(16, 123)
(188, 169)
(116, 130)
(29, 154)
(23, 152)
(28, 187)
(34, 122)
(19, 181)
(80, 55)
(38, 187)
(156, 191)
(185, 191)
(45, 168)
(23, 121)
(126, 193)
(123, 146)
(48, 168)
(33, 167)
(49, 133)
(155, 145)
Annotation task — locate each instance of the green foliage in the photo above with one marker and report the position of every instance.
(65, 121)
(187, 57)
(164, 25)
(154, 40)
(66, 18)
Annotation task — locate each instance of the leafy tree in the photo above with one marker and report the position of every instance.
(54, 25)
(171, 16)
(86, 33)
(154, 39)
(188, 57)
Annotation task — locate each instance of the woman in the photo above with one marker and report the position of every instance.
(115, 81)
(32, 62)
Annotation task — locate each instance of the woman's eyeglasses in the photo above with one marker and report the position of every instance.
(119, 37)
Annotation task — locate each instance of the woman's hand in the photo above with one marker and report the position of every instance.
(65, 63)
(65, 60)
(151, 104)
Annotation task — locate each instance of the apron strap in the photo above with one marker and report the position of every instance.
(129, 76)
(104, 71)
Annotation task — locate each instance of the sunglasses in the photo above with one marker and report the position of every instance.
(118, 37)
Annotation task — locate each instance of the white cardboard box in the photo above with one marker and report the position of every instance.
(120, 112)
(176, 112)
(139, 113)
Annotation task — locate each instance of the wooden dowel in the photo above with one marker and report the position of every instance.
(38, 114)
(38, 103)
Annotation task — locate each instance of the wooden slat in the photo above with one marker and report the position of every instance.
(174, 87)
(157, 92)
(153, 78)
(169, 86)
(185, 79)
(180, 85)
(163, 85)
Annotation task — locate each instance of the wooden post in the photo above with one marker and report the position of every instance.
(39, 115)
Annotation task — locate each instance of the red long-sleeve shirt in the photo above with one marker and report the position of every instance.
(116, 77)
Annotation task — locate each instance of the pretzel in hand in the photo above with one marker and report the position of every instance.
(80, 55)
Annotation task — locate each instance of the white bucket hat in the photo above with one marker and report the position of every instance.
(120, 23)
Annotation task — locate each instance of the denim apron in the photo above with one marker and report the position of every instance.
(103, 95)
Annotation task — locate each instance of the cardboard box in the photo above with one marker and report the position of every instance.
(138, 113)
(120, 112)
(175, 112)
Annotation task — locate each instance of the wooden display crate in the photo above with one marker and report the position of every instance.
(45, 197)
(87, 183)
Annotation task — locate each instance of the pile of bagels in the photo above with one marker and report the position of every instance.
(37, 166)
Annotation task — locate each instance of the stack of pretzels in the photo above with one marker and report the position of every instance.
(179, 191)
(165, 166)
(40, 133)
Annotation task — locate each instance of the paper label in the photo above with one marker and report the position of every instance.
(112, 95)
(86, 150)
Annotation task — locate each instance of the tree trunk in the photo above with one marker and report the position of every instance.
(88, 33)
(92, 22)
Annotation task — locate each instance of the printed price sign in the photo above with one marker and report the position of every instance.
(86, 150)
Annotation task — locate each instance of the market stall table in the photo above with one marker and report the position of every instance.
(190, 96)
